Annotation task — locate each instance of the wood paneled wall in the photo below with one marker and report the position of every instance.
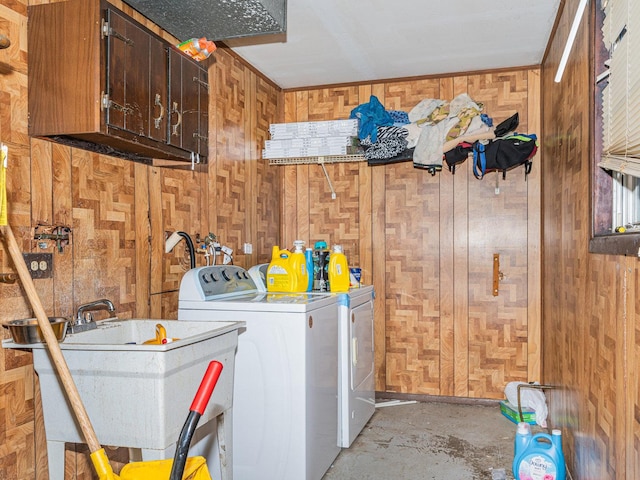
(591, 302)
(118, 212)
(591, 311)
(426, 242)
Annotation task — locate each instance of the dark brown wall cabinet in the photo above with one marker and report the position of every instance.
(99, 80)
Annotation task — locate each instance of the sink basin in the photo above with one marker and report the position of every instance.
(130, 335)
(136, 395)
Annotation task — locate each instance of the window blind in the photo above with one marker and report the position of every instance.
(621, 96)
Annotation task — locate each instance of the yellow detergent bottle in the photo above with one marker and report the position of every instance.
(299, 266)
(338, 270)
(280, 274)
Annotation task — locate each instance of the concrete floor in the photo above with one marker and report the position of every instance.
(430, 440)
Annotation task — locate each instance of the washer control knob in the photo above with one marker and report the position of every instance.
(205, 278)
(214, 277)
(226, 276)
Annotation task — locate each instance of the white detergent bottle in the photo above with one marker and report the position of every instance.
(539, 457)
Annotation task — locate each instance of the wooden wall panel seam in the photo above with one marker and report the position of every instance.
(378, 248)
(461, 266)
(142, 242)
(534, 236)
(446, 271)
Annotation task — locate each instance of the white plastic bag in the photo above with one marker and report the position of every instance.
(533, 398)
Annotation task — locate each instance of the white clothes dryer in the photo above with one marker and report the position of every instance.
(356, 362)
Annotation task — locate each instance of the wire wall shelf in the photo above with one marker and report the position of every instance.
(317, 160)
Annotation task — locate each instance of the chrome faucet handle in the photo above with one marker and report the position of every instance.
(83, 322)
(83, 316)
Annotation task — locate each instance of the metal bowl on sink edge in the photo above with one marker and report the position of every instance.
(26, 330)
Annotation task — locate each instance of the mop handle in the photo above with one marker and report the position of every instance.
(196, 410)
(206, 387)
(51, 340)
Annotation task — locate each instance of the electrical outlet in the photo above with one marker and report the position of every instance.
(247, 249)
(40, 265)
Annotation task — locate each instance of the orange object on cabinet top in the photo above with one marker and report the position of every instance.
(198, 48)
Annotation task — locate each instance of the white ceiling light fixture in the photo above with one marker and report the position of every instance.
(570, 40)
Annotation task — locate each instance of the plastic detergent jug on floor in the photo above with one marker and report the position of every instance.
(539, 456)
(338, 270)
(280, 274)
(299, 266)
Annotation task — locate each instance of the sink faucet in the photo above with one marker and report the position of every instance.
(84, 319)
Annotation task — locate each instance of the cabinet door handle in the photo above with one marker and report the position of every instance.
(159, 118)
(497, 274)
(175, 110)
(354, 351)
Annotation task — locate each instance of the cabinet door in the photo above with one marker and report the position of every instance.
(188, 104)
(128, 74)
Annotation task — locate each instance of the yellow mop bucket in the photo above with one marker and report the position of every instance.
(195, 469)
(180, 467)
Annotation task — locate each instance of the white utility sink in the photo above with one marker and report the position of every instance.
(130, 335)
(137, 395)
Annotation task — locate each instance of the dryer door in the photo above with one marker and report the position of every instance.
(361, 337)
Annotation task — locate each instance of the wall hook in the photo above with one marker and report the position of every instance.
(5, 42)
(8, 278)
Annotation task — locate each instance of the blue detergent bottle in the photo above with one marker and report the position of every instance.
(308, 255)
(520, 443)
(539, 456)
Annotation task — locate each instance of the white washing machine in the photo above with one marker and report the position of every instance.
(356, 362)
(285, 402)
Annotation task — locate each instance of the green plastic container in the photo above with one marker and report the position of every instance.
(511, 412)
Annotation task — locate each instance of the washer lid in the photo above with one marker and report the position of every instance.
(299, 298)
(262, 302)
